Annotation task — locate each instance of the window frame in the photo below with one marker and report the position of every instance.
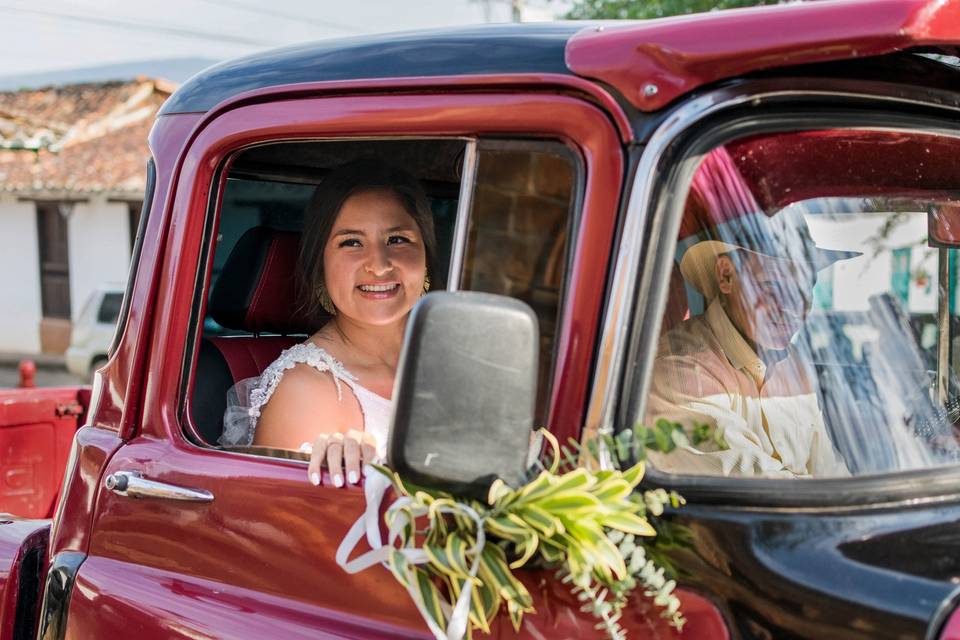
(473, 148)
(586, 125)
(137, 249)
(666, 167)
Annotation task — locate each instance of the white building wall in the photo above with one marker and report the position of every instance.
(99, 238)
(19, 277)
(856, 280)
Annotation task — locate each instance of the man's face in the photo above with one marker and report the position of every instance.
(766, 298)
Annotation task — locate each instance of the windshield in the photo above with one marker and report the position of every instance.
(812, 317)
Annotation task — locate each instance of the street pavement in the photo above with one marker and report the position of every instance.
(47, 376)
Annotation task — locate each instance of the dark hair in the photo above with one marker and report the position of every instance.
(356, 176)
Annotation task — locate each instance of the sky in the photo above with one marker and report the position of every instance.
(48, 35)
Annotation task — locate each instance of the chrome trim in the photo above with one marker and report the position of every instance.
(467, 182)
(57, 592)
(909, 503)
(131, 484)
(943, 324)
(619, 307)
(625, 288)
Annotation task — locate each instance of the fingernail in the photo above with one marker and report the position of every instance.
(315, 479)
(338, 480)
(352, 477)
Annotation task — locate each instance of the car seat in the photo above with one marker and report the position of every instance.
(255, 295)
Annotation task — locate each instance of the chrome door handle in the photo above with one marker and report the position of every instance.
(132, 485)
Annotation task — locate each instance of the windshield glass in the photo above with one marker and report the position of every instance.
(812, 313)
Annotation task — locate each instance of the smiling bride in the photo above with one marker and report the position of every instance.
(364, 261)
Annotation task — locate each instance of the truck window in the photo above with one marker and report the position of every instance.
(811, 327)
(514, 244)
(517, 238)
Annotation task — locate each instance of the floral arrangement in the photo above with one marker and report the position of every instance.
(580, 514)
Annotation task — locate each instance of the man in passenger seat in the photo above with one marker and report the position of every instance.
(733, 367)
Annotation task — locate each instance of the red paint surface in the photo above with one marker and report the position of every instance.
(259, 562)
(36, 429)
(123, 376)
(73, 518)
(526, 83)
(28, 374)
(783, 168)
(207, 609)
(558, 616)
(17, 539)
(260, 556)
(680, 54)
(951, 629)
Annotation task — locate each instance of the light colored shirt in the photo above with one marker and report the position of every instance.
(768, 416)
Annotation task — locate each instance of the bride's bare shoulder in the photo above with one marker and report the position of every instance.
(306, 402)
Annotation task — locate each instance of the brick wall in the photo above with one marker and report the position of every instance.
(518, 237)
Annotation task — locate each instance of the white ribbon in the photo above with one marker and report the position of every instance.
(375, 486)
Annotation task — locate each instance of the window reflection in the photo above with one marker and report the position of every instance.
(811, 321)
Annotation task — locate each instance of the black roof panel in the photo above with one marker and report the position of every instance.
(507, 48)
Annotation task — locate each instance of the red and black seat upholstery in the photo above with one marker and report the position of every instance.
(254, 294)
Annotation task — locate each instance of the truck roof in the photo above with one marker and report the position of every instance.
(485, 49)
(650, 62)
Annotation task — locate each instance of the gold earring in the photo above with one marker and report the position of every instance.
(426, 283)
(325, 300)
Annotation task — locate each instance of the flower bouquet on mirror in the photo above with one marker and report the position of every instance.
(581, 514)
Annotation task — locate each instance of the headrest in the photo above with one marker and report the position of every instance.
(255, 291)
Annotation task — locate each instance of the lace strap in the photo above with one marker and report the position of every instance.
(303, 353)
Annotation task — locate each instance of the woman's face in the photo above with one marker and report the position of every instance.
(374, 260)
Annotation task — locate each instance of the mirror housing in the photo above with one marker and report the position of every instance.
(465, 392)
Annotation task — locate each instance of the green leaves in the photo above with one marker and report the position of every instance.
(565, 516)
(583, 520)
(538, 518)
(430, 597)
(450, 560)
(630, 523)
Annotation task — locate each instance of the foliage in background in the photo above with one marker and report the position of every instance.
(591, 525)
(636, 9)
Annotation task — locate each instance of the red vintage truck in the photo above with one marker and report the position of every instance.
(558, 160)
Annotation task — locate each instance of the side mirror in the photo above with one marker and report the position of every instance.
(465, 392)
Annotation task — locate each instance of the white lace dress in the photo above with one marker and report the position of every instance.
(247, 397)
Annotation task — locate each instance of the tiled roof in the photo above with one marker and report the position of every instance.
(78, 138)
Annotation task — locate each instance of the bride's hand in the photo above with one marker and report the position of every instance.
(344, 455)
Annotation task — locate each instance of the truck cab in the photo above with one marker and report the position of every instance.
(565, 166)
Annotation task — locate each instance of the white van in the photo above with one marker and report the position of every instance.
(93, 331)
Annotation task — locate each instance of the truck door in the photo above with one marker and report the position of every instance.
(237, 543)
